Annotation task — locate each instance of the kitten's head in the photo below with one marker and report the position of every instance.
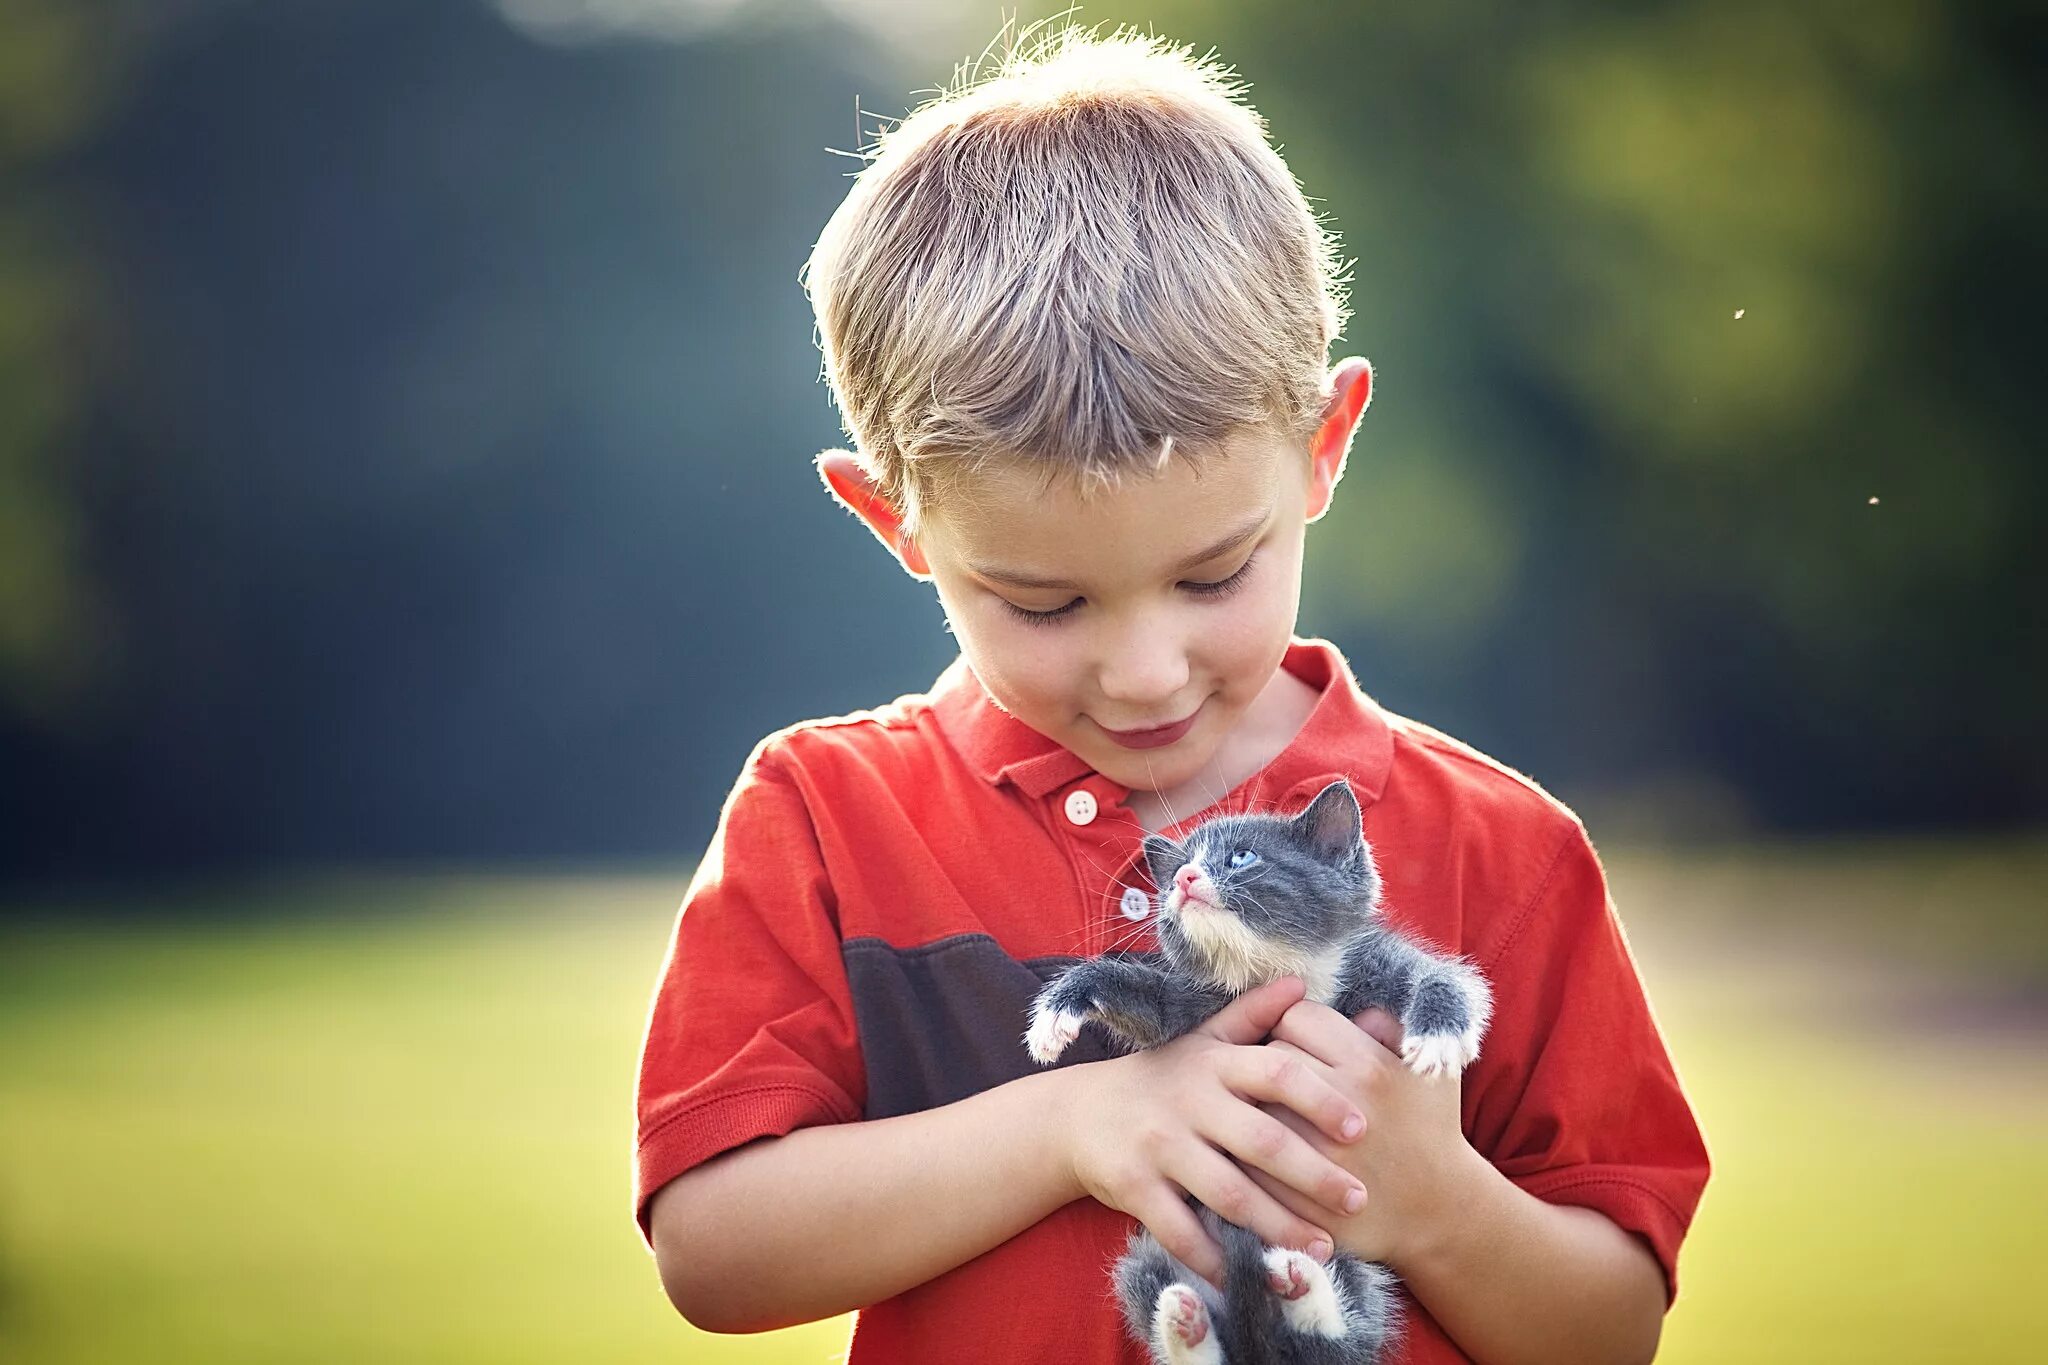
(1247, 898)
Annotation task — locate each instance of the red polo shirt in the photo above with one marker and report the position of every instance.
(887, 892)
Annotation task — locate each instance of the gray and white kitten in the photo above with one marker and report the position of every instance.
(1250, 898)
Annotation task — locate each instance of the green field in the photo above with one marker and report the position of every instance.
(356, 1119)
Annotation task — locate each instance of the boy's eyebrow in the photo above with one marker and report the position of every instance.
(1026, 580)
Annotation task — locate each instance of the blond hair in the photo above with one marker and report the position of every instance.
(1089, 259)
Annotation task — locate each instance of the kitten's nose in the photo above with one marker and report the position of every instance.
(1187, 875)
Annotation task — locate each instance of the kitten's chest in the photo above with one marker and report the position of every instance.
(1323, 975)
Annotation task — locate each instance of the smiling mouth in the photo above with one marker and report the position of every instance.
(1155, 738)
(1151, 729)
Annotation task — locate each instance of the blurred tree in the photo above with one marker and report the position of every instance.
(52, 90)
(405, 413)
(1694, 456)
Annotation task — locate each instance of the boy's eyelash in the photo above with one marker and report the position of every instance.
(1221, 588)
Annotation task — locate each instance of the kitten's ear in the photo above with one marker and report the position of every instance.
(1332, 824)
(1163, 858)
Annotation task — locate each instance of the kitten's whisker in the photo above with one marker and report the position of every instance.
(1153, 778)
(1073, 941)
(1123, 936)
(1076, 937)
(1210, 798)
(1129, 936)
(1116, 881)
(1259, 903)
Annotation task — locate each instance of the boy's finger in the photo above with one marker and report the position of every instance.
(1225, 1187)
(1328, 1036)
(1174, 1226)
(1249, 1018)
(1385, 1029)
(1306, 1089)
(1263, 1140)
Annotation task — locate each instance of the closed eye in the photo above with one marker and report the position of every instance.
(1221, 588)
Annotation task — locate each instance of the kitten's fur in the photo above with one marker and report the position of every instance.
(1305, 902)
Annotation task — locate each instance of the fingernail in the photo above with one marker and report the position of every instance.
(1355, 1200)
(1319, 1249)
(1353, 1126)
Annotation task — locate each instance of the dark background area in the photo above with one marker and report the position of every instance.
(406, 409)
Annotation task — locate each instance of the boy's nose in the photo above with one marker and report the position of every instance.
(1145, 674)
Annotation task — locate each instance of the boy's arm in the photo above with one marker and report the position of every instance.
(838, 1216)
(1512, 1279)
(1536, 1208)
(1517, 1281)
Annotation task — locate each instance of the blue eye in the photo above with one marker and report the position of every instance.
(1244, 857)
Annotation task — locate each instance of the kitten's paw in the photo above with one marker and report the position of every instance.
(1307, 1298)
(1440, 1054)
(1444, 1022)
(1180, 1329)
(1051, 1031)
(1285, 1275)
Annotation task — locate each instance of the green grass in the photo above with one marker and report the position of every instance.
(1862, 1031)
(354, 1119)
(337, 1137)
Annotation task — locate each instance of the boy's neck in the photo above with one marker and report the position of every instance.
(1265, 729)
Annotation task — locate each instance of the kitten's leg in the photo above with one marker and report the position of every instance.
(1442, 1026)
(1141, 1275)
(1130, 996)
(1372, 1312)
(1369, 1319)
(1308, 1301)
(1442, 1002)
(1181, 1331)
(1379, 968)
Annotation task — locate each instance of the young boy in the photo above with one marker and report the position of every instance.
(1077, 319)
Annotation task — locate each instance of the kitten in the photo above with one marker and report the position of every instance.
(1249, 898)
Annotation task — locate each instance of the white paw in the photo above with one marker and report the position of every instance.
(1308, 1300)
(1441, 1054)
(1181, 1333)
(1051, 1031)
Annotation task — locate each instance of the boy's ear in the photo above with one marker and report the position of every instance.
(1351, 390)
(850, 484)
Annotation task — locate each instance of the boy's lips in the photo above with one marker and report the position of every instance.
(1153, 738)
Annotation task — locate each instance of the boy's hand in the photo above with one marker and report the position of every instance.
(1145, 1127)
(1414, 1160)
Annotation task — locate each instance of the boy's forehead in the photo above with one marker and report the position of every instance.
(1005, 514)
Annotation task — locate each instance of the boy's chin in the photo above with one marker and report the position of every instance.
(1164, 768)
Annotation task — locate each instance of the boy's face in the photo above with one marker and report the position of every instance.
(1149, 608)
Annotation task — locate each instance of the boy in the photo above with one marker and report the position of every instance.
(1077, 318)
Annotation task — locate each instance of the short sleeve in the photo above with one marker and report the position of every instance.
(1580, 1103)
(751, 1032)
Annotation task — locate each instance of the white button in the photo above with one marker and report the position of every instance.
(1137, 904)
(1081, 806)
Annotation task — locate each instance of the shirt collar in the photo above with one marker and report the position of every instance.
(1346, 734)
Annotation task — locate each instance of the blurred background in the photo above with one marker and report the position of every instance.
(407, 528)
